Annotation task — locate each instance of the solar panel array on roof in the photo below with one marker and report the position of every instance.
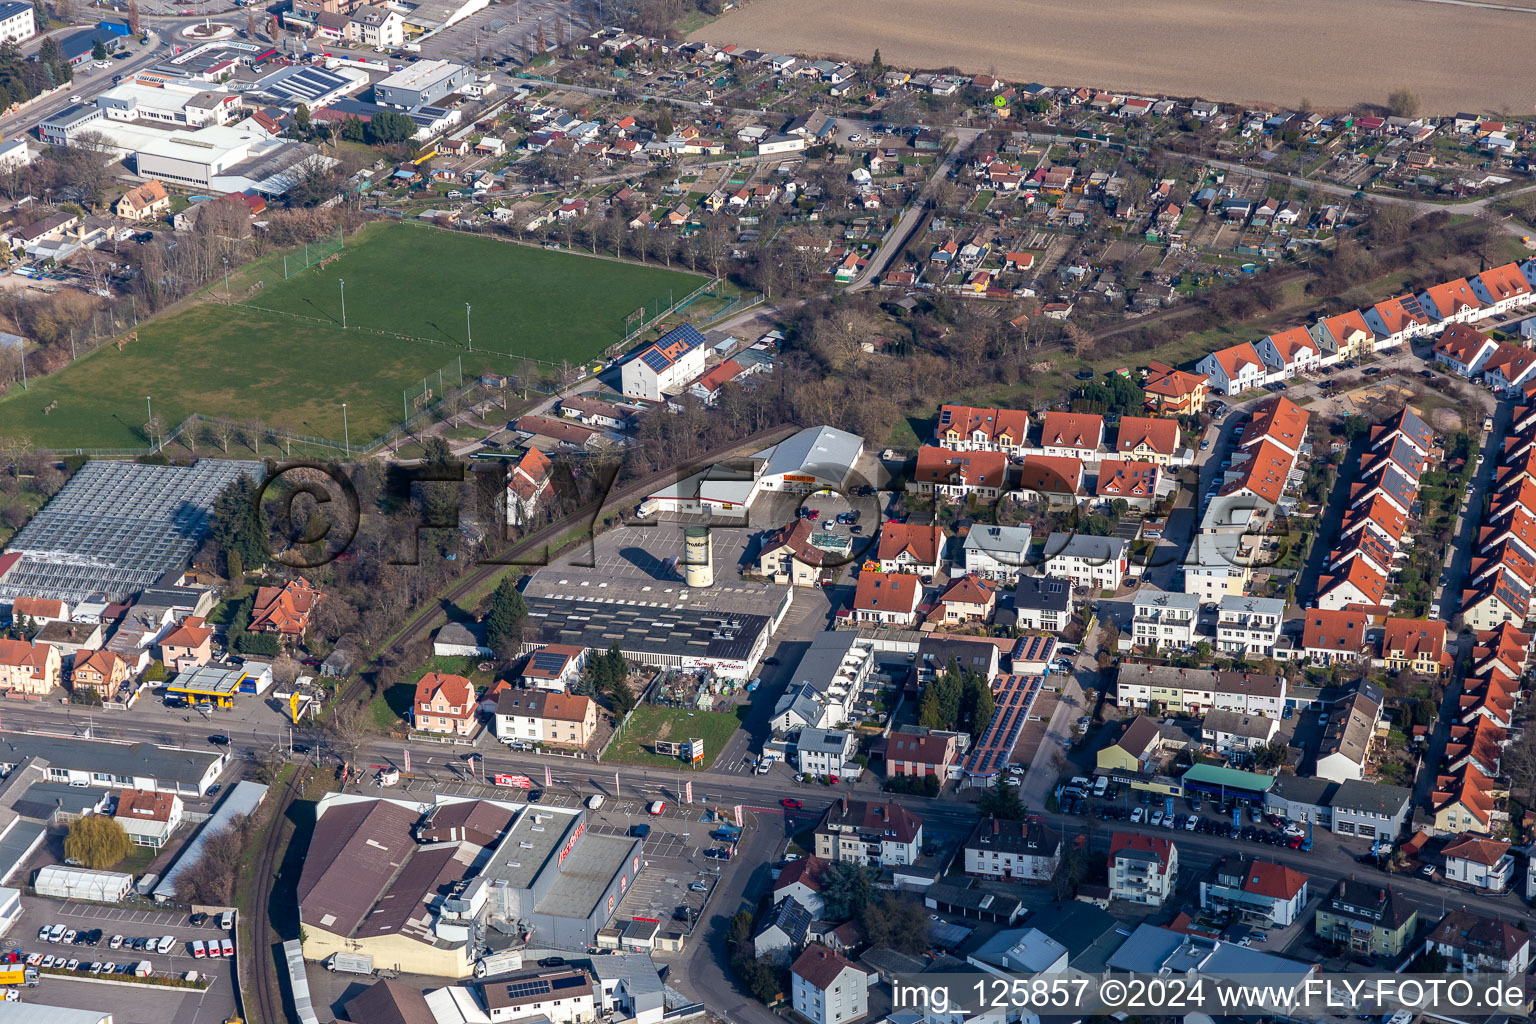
(1015, 696)
(531, 987)
(1412, 306)
(118, 527)
(545, 661)
(308, 84)
(655, 359)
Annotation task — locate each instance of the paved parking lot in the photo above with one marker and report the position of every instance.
(674, 860)
(129, 1004)
(505, 30)
(643, 546)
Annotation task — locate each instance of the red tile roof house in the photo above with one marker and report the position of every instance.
(969, 599)
(1132, 482)
(910, 754)
(1329, 636)
(1175, 392)
(957, 475)
(284, 610)
(802, 880)
(445, 704)
(99, 671)
(1463, 350)
(39, 610)
(1148, 438)
(1233, 370)
(1503, 289)
(29, 669)
(911, 547)
(1479, 862)
(1396, 320)
(528, 484)
(1453, 302)
(187, 645)
(148, 818)
(1072, 435)
(554, 667)
(962, 428)
(889, 599)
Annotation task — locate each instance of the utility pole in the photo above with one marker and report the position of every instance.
(226, 278)
(345, 433)
(468, 332)
(343, 283)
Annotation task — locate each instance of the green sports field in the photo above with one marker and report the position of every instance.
(281, 357)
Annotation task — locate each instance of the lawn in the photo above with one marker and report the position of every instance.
(406, 279)
(650, 723)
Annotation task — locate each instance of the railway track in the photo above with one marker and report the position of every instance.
(269, 990)
(264, 973)
(431, 615)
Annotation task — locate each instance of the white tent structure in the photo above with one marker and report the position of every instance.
(66, 883)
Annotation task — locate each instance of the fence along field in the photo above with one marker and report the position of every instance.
(279, 356)
(1336, 53)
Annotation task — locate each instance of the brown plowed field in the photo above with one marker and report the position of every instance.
(1334, 53)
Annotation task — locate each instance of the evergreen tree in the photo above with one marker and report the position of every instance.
(99, 50)
(504, 619)
(239, 527)
(1001, 801)
(877, 66)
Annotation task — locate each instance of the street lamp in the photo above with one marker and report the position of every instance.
(345, 433)
(467, 331)
(343, 283)
(226, 278)
(150, 406)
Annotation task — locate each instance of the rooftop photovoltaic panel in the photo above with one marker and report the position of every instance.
(544, 661)
(523, 989)
(1411, 304)
(655, 360)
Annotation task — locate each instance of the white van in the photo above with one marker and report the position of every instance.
(595, 801)
(1100, 785)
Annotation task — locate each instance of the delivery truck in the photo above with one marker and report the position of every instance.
(350, 963)
(504, 962)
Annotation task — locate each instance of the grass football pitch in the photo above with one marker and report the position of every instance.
(281, 357)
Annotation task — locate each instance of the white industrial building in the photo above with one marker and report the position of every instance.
(151, 97)
(423, 84)
(663, 367)
(16, 22)
(225, 159)
(814, 458)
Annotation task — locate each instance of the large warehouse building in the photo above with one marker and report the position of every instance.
(814, 458)
(723, 628)
(116, 528)
(805, 461)
(422, 887)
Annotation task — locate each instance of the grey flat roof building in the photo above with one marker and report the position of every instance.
(549, 874)
(654, 622)
(421, 84)
(103, 763)
(118, 527)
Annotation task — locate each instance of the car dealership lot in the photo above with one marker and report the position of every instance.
(129, 1003)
